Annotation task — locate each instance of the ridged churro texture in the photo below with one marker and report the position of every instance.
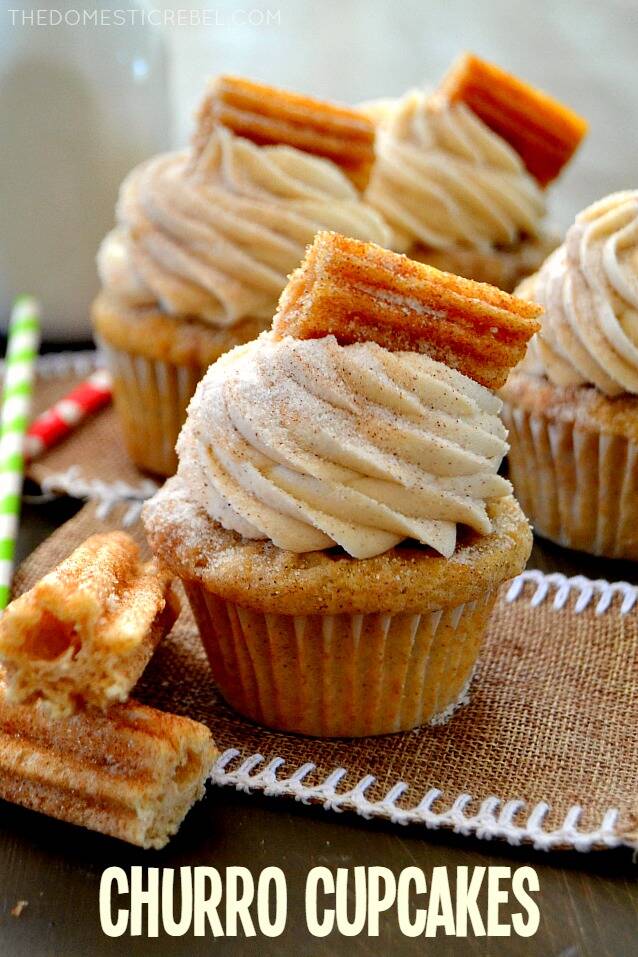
(132, 773)
(268, 115)
(358, 291)
(573, 463)
(85, 632)
(544, 132)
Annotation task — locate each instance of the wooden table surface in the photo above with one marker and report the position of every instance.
(588, 903)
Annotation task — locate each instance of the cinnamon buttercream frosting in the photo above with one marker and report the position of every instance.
(216, 237)
(312, 444)
(443, 179)
(589, 290)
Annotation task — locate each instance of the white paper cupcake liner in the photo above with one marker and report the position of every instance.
(341, 675)
(151, 398)
(578, 487)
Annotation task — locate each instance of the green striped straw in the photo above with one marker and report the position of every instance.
(22, 349)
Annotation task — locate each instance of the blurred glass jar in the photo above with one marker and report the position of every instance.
(81, 103)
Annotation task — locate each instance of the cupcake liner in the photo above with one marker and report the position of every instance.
(344, 675)
(578, 487)
(151, 397)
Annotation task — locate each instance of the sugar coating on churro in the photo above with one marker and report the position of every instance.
(544, 132)
(85, 632)
(132, 773)
(271, 116)
(358, 291)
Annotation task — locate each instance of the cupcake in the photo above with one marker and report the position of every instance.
(337, 518)
(205, 239)
(460, 174)
(572, 405)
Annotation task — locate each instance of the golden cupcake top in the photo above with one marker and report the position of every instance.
(256, 575)
(588, 289)
(343, 426)
(212, 232)
(467, 165)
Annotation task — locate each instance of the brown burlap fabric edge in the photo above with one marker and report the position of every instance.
(92, 462)
(544, 752)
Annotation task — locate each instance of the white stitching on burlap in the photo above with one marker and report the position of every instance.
(107, 494)
(587, 589)
(494, 818)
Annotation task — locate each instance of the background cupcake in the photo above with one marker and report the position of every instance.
(461, 174)
(337, 519)
(206, 238)
(572, 405)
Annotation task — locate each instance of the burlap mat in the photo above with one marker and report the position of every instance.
(92, 462)
(545, 751)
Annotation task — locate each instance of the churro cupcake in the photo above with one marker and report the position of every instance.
(337, 518)
(206, 238)
(461, 173)
(572, 405)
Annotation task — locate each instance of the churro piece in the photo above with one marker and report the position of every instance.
(358, 291)
(132, 773)
(85, 632)
(269, 116)
(543, 132)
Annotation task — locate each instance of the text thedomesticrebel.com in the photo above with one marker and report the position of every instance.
(142, 16)
(204, 901)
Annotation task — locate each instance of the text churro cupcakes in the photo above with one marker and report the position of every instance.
(337, 519)
(460, 174)
(572, 406)
(206, 238)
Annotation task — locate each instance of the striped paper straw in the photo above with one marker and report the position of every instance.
(22, 348)
(71, 410)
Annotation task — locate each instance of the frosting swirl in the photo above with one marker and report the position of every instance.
(442, 178)
(216, 237)
(589, 290)
(310, 444)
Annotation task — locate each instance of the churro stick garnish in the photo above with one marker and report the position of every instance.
(358, 291)
(85, 632)
(132, 772)
(543, 132)
(270, 116)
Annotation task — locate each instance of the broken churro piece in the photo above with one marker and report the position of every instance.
(132, 773)
(269, 116)
(358, 291)
(543, 132)
(85, 632)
